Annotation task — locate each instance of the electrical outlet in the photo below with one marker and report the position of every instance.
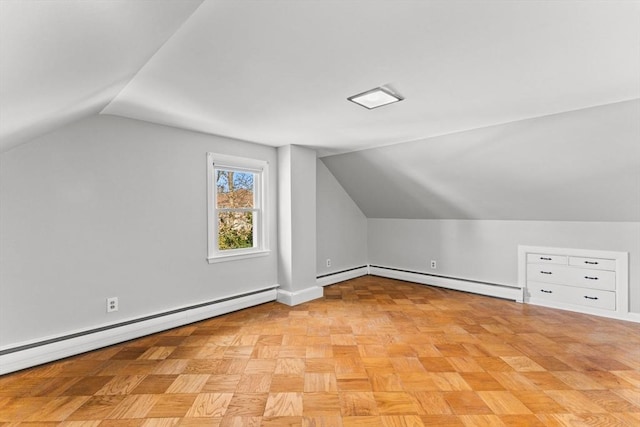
(434, 264)
(328, 262)
(112, 304)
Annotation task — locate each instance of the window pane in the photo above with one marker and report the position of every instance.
(235, 230)
(234, 189)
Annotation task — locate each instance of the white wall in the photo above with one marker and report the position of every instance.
(468, 199)
(113, 207)
(297, 225)
(342, 227)
(303, 216)
(487, 251)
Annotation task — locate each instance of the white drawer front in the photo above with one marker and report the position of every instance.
(593, 279)
(571, 295)
(547, 273)
(593, 263)
(597, 299)
(546, 259)
(545, 291)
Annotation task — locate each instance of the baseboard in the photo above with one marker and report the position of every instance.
(341, 276)
(481, 288)
(628, 316)
(26, 355)
(299, 297)
(633, 317)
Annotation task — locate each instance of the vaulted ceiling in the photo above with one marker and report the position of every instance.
(63, 60)
(581, 165)
(278, 72)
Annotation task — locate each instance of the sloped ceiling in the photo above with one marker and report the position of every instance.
(278, 72)
(61, 60)
(576, 166)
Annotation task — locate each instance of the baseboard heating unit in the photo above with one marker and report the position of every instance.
(342, 275)
(514, 293)
(29, 354)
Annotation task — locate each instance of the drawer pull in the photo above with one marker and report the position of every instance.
(590, 278)
(591, 262)
(545, 258)
(546, 272)
(590, 297)
(547, 292)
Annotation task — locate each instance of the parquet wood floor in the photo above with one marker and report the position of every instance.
(372, 352)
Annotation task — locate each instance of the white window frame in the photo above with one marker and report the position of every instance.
(260, 235)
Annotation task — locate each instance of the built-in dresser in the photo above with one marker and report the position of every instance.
(588, 281)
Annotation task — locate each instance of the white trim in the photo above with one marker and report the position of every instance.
(68, 347)
(631, 317)
(342, 276)
(237, 162)
(498, 291)
(622, 280)
(236, 256)
(299, 297)
(261, 198)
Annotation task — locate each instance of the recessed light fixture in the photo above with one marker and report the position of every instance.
(375, 98)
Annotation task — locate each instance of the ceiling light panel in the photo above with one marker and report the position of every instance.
(375, 98)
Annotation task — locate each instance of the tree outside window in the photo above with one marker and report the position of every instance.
(235, 204)
(236, 196)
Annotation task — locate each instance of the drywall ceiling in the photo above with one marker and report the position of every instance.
(61, 60)
(278, 72)
(576, 166)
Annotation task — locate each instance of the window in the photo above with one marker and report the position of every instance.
(236, 207)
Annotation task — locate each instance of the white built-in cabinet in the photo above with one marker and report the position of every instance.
(588, 281)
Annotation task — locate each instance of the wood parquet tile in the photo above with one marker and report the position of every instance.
(372, 352)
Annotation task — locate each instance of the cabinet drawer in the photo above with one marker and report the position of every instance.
(547, 273)
(572, 295)
(593, 279)
(546, 259)
(593, 263)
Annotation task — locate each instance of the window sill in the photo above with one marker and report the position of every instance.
(237, 256)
